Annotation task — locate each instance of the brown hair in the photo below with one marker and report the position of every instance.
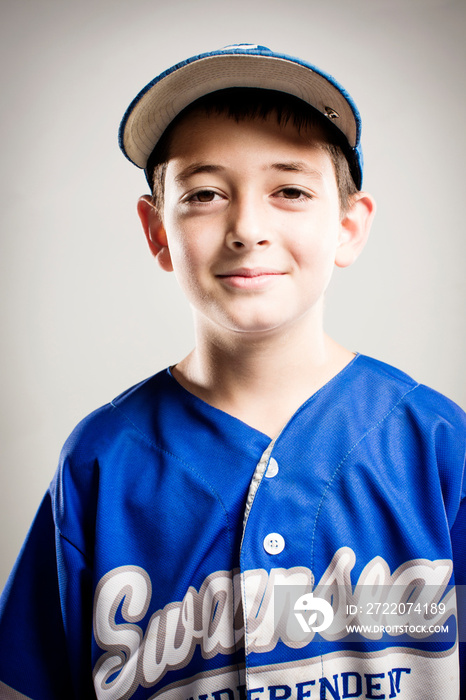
(256, 103)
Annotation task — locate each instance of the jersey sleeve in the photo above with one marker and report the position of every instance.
(46, 627)
(458, 540)
(451, 451)
(43, 655)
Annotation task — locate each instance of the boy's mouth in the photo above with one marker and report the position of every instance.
(250, 278)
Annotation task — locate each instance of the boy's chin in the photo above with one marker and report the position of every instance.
(254, 327)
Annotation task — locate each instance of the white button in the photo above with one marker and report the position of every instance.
(274, 543)
(272, 469)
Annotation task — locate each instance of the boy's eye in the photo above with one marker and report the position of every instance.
(203, 196)
(292, 193)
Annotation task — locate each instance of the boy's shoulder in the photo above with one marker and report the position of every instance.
(414, 419)
(131, 410)
(415, 395)
(413, 414)
(102, 454)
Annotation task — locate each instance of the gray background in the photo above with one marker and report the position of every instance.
(86, 312)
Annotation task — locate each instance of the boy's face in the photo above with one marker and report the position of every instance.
(251, 222)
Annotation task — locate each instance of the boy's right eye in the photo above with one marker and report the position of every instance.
(202, 196)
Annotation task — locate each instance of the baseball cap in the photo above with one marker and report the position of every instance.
(238, 65)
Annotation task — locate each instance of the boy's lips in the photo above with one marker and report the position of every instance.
(249, 277)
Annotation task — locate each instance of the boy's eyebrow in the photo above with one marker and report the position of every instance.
(296, 166)
(196, 168)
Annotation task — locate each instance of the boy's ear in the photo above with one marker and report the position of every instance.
(354, 229)
(155, 232)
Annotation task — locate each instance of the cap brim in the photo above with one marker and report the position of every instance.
(159, 103)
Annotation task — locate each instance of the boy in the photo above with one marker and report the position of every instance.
(218, 531)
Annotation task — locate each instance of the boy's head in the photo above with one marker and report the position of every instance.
(255, 168)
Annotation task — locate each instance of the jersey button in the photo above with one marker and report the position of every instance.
(272, 469)
(274, 543)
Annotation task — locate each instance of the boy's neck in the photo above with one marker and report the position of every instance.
(261, 381)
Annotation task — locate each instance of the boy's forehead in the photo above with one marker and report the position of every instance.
(223, 146)
(220, 129)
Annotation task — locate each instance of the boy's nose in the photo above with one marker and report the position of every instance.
(247, 228)
(245, 241)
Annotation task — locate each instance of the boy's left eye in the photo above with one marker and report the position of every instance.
(292, 193)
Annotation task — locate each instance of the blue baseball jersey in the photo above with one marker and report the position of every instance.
(181, 554)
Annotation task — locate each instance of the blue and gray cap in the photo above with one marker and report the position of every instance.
(239, 65)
